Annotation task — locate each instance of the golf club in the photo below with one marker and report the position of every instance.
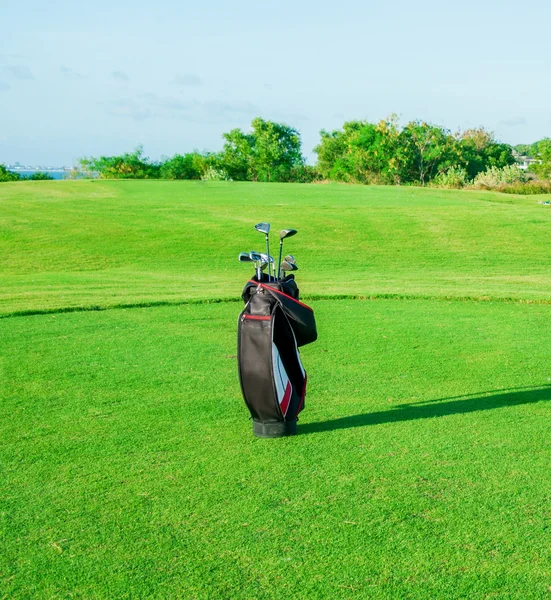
(284, 233)
(267, 261)
(265, 229)
(257, 259)
(289, 266)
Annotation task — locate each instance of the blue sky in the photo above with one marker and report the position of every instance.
(87, 79)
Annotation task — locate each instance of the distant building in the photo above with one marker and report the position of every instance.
(524, 162)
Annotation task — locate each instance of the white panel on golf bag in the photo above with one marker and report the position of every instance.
(284, 389)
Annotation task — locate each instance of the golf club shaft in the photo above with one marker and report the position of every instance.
(279, 260)
(268, 253)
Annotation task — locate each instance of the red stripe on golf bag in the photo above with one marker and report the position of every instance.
(284, 404)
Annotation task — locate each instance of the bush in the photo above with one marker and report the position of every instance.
(39, 176)
(130, 165)
(304, 174)
(494, 178)
(6, 175)
(530, 187)
(181, 167)
(453, 178)
(212, 174)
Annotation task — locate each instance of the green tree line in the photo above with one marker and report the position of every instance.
(418, 153)
(6, 175)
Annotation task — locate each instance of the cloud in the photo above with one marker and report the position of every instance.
(187, 79)
(229, 111)
(12, 56)
(127, 108)
(71, 73)
(4, 87)
(120, 75)
(20, 72)
(166, 106)
(150, 105)
(514, 122)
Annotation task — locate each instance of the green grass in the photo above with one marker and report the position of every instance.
(98, 244)
(127, 465)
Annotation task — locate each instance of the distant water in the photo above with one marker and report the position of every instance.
(54, 174)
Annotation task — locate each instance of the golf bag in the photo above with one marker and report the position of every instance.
(271, 328)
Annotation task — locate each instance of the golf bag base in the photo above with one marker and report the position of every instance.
(273, 381)
(275, 429)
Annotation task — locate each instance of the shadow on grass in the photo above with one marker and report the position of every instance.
(435, 408)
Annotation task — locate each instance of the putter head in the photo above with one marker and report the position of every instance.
(285, 233)
(263, 228)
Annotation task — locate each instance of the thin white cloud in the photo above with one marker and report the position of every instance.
(149, 105)
(120, 75)
(20, 72)
(70, 73)
(127, 108)
(187, 79)
(12, 56)
(165, 105)
(514, 122)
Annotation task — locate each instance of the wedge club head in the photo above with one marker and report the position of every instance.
(265, 229)
(284, 233)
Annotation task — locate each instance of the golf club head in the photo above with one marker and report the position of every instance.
(267, 259)
(263, 228)
(285, 233)
(255, 256)
(290, 258)
(287, 266)
(244, 257)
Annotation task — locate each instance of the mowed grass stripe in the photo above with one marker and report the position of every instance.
(112, 243)
(305, 298)
(421, 468)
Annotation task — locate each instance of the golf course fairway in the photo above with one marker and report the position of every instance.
(128, 468)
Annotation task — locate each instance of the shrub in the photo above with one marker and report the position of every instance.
(453, 178)
(212, 174)
(39, 176)
(6, 175)
(493, 178)
(130, 165)
(304, 174)
(82, 170)
(181, 167)
(529, 187)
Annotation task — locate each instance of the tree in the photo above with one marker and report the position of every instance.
(361, 152)
(543, 153)
(237, 155)
(479, 150)
(276, 150)
(271, 152)
(427, 151)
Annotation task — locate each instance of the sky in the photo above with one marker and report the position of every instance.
(89, 79)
